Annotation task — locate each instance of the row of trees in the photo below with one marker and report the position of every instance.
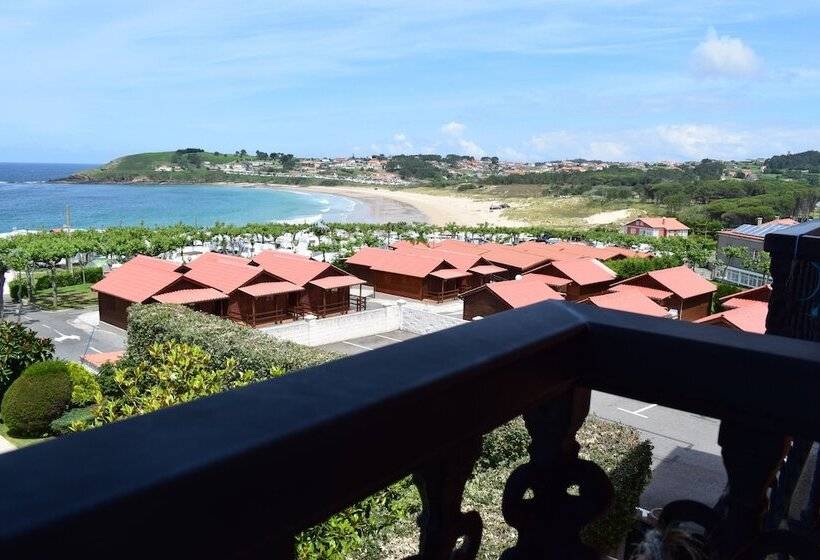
(50, 251)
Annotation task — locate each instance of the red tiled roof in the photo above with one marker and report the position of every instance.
(293, 268)
(196, 295)
(450, 273)
(547, 279)
(137, 280)
(511, 258)
(682, 281)
(368, 256)
(330, 282)
(651, 293)
(630, 301)
(669, 224)
(405, 244)
(464, 247)
(270, 289)
(99, 358)
(484, 269)
(752, 296)
(517, 293)
(225, 278)
(212, 257)
(584, 271)
(408, 264)
(460, 260)
(751, 318)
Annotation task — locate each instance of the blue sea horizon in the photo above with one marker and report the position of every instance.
(29, 201)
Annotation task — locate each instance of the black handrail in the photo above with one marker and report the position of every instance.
(240, 473)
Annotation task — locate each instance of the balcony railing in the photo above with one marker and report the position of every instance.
(287, 453)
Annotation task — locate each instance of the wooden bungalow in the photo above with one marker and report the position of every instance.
(514, 262)
(255, 296)
(410, 274)
(501, 296)
(747, 318)
(482, 270)
(136, 281)
(678, 288)
(752, 296)
(577, 278)
(325, 288)
(564, 250)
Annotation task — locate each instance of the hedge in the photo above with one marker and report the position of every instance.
(85, 389)
(41, 394)
(220, 338)
(614, 447)
(19, 348)
(63, 424)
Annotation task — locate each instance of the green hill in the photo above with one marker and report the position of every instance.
(184, 166)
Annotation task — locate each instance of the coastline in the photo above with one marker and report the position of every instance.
(386, 205)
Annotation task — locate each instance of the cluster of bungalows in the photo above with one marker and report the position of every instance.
(743, 311)
(445, 270)
(269, 288)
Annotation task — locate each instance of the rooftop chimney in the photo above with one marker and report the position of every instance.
(759, 221)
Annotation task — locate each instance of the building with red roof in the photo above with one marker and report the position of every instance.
(501, 296)
(751, 318)
(482, 270)
(656, 227)
(270, 288)
(679, 288)
(752, 296)
(629, 301)
(577, 278)
(412, 273)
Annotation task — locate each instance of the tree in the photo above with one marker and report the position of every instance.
(48, 251)
(261, 155)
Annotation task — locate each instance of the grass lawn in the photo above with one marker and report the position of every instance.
(18, 442)
(68, 297)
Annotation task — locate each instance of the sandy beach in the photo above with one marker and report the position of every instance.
(420, 206)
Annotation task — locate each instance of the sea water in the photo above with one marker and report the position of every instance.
(29, 201)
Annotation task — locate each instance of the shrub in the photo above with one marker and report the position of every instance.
(627, 268)
(19, 348)
(18, 289)
(73, 419)
(723, 289)
(65, 278)
(85, 389)
(220, 338)
(41, 394)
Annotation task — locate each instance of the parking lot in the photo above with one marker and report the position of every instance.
(365, 343)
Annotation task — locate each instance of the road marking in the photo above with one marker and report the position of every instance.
(64, 337)
(389, 338)
(356, 345)
(95, 350)
(638, 412)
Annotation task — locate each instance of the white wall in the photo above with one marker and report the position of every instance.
(316, 332)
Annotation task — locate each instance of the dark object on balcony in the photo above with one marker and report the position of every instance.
(285, 454)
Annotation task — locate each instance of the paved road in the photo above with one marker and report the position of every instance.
(72, 331)
(686, 457)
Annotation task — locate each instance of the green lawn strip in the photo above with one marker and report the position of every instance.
(68, 297)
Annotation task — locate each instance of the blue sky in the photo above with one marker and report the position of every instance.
(86, 81)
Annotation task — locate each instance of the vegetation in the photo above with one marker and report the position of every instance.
(19, 348)
(85, 389)
(72, 420)
(414, 167)
(219, 338)
(40, 395)
(627, 268)
(614, 447)
(804, 161)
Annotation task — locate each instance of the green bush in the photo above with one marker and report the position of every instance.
(723, 289)
(65, 278)
(85, 389)
(627, 268)
(18, 289)
(19, 348)
(75, 417)
(41, 394)
(220, 338)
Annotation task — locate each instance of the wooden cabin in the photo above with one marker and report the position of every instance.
(325, 288)
(679, 288)
(577, 278)
(496, 297)
(482, 270)
(631, 302)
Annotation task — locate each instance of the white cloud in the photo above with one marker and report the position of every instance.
(400, 137)
(725, 56)
(471, 148)
(703, 140)
(606, 150)
(511, 154)
(453, 128)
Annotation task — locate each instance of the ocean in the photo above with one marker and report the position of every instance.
(29, 201)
